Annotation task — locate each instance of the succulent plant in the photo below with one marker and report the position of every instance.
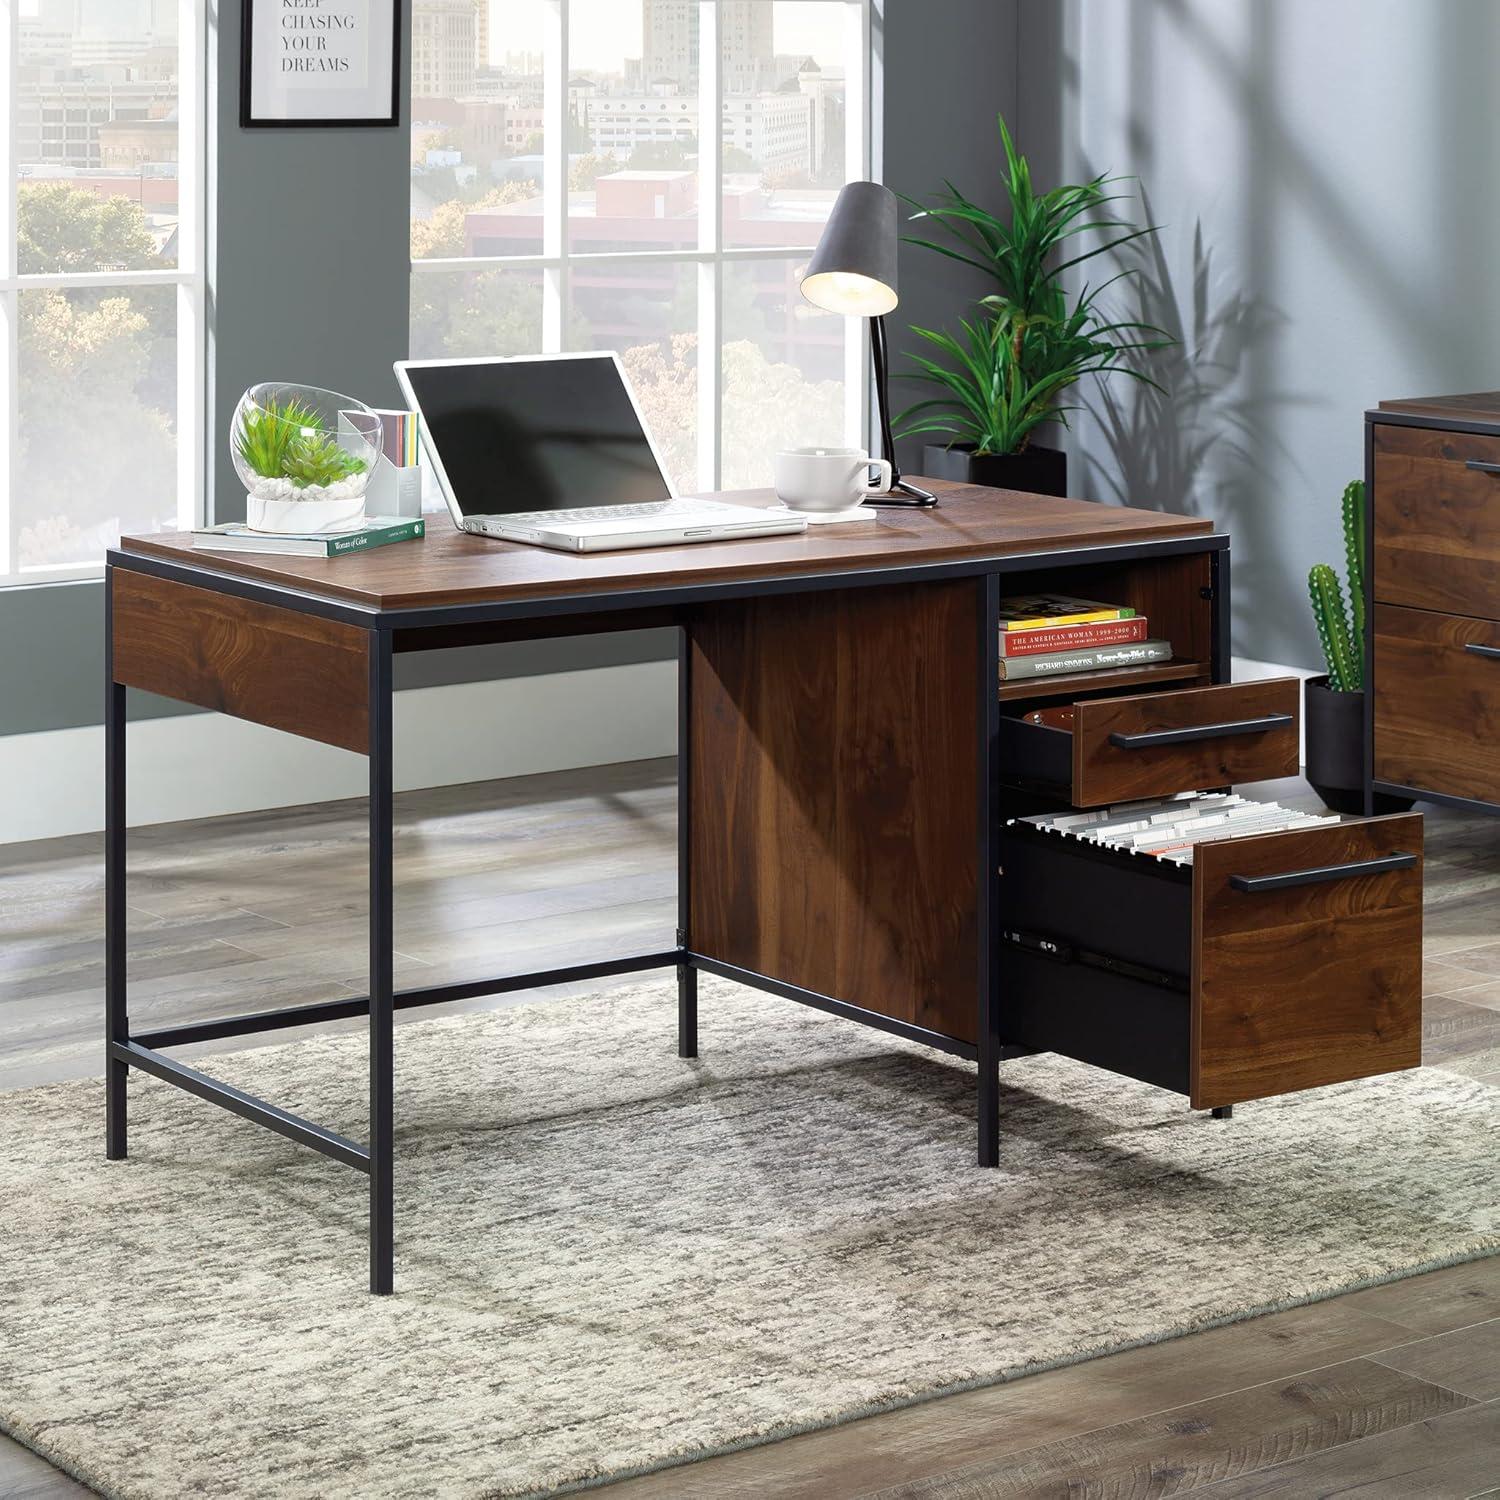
(1341, 630)
(316, 458)
(285, 440)
(265, 433)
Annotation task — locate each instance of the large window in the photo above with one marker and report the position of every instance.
(101, 286)
(565, 195)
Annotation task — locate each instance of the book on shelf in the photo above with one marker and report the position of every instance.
(235, 536)
(1072, 637)
(1048, 611)
(1090, 659)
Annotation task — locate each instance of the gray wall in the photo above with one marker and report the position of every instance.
(318, 292)
(1324, 177)
(310, 240)
(944, 71)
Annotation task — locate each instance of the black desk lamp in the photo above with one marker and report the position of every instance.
(853, 271)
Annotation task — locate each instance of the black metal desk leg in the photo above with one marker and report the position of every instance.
(687, 1011)
(987, 877)
(382, 1051)
(687, 975)
(116, 1020)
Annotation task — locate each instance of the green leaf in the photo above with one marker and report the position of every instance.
(945, 250)
(1124, 239)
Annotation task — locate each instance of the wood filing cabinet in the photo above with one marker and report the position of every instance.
(1432, 649)
(1274, 962)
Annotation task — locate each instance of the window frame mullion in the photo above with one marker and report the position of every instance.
(555, 176)
(10, 301)
(710, 245)
(858, 135)
(194, 445)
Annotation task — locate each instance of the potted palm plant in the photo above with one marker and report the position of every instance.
(1007, 370)
(1334, 704)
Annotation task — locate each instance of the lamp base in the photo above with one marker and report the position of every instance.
(904, 492)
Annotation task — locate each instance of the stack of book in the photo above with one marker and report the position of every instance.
(1048, 635)
(377, 531)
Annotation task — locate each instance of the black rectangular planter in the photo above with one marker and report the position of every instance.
(1041, 471)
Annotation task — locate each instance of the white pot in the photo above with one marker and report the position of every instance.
(344, 513)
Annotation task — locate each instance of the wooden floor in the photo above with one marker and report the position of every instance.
(1390, 1392)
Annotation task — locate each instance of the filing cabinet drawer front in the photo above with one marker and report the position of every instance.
(1437, 702)
(1307, 963)
(1275, 962)
(1158, 744)
(1437, 520)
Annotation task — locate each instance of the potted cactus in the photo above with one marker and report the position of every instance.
(1334, 704)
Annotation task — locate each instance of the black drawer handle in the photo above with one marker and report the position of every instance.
(1150, 737)
(1481, 466)
(1479, 650)
(1319, 873)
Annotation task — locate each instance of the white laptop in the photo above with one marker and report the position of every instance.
(551, 449)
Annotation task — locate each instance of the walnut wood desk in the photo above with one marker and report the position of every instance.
(843, 772)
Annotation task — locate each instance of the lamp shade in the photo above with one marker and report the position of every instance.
(853, 269)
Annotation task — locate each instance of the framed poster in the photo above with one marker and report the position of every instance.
(320, 62)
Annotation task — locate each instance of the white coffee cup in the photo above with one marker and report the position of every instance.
(823, 479)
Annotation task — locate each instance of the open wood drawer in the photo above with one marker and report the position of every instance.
(1272, 963)
(1103, 750)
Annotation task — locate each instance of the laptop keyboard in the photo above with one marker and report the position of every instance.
(656, 509)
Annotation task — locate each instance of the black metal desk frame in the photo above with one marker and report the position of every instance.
(144, 1050)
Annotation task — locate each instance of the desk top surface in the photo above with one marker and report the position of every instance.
(1476, 408)
(448, 567)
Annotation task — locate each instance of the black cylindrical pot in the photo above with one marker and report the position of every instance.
(1042, 471)
(1335, 725)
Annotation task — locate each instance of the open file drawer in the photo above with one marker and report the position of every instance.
(1103, 750)
(1273, 962)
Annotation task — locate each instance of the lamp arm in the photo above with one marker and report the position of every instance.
(899, 486)
(882, 393)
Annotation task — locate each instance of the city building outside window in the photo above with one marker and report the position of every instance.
(561, 199)
(101, 286)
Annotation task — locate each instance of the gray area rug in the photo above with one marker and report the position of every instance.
(609, 1260)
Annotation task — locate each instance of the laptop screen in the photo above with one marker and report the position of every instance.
(535, 434)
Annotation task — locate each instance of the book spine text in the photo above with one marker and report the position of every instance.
(1102, 657)
(1072, 637)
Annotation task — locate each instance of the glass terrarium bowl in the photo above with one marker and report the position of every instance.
(305, 457)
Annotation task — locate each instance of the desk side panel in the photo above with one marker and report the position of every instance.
(290, 671)
(833, 761)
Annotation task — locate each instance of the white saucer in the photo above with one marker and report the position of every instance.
(859, 512)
